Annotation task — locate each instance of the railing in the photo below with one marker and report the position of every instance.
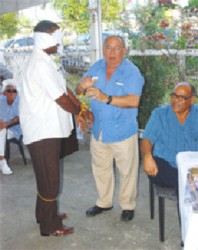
(186, 52)
(78, 61)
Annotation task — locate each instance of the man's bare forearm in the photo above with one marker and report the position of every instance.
(146, 147)
(66, 103)
(12, 122)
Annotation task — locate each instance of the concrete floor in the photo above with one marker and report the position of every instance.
(19, 231)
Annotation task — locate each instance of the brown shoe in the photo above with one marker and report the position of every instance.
(64, 230)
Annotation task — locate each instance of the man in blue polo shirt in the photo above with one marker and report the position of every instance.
(114, 85)
(171, 129)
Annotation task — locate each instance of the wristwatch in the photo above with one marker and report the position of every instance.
(109, 99)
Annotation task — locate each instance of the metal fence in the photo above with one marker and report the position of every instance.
(78, 61)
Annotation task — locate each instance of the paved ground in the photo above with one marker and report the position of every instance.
(19, 231)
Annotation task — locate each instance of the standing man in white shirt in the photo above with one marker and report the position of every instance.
(46, 108)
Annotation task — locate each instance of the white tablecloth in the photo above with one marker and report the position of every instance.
(189, 219)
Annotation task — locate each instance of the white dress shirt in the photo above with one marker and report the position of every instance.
(40, 116)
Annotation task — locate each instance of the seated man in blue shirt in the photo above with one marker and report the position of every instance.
(9, 120)
(171, 129)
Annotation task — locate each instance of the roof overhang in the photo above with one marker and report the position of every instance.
(7, 6)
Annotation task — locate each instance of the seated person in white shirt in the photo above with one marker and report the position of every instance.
(9, 120)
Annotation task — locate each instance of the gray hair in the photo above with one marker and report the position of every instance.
(119, 37)
(193, 90)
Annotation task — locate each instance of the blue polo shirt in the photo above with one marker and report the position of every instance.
(169, 136)
(115, 123)
(8, 112)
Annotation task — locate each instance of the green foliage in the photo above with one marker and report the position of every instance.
(160, 74)
(156, 30)
(8, 25)
(25, 23)
(76, 14)
(193, 3)
(160, 29)
(72, 81)
(110, 10)
(191, 65)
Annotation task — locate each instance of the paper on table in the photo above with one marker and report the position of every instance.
(192, 185)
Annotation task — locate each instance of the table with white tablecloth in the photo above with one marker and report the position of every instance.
(189, 218)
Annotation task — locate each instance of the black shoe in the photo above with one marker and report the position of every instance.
(127, 215)
(92, 211)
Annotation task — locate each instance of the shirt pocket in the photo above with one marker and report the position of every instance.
(117, 89)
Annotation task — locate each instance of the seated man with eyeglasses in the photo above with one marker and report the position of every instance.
(9, 120)
(171, 129)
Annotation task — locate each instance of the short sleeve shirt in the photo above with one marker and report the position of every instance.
(115, 123)
(40, 116)
(8, 112)
(169, 136)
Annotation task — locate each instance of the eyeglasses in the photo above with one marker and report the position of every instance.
(180, 97)
(117, 48)
(11, 90)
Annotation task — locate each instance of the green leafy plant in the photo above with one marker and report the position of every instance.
(76, 14)
(160, 72)
(8, 25)
(160, 75)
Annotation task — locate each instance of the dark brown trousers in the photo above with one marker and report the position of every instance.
(45, 158)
